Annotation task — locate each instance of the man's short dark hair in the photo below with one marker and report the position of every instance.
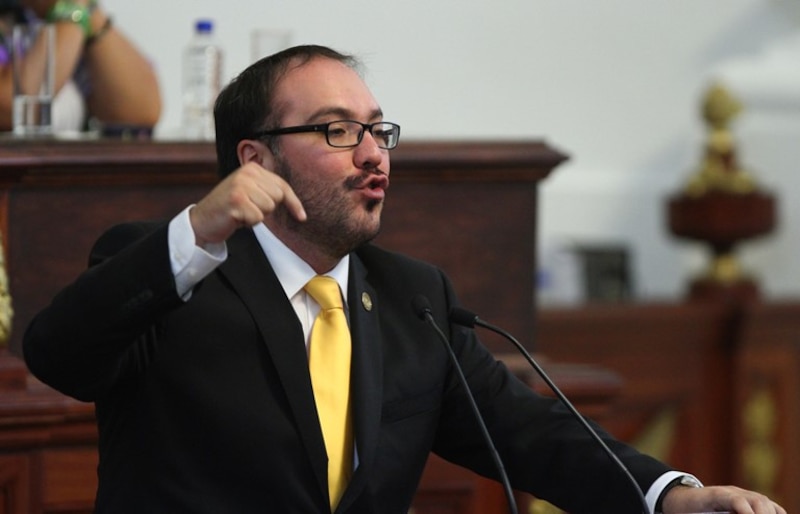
(245, 106)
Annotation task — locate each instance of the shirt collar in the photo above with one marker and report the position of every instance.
(292, 271)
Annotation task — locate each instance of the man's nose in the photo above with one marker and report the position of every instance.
(368, 154)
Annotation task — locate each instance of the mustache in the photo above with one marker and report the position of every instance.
(361, 180)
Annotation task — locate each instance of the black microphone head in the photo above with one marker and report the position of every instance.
(421, 306)
(463, 317)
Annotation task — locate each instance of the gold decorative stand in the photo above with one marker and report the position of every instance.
(721, 205)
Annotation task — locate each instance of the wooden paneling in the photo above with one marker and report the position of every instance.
(673, 359)
(711, 387)
(68, 479)
(767, 394)
(14, 484)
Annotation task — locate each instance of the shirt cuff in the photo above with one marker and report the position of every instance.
(658, 486)
(191, 263)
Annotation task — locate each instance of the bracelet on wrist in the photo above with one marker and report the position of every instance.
(66, 10)
(102, 31)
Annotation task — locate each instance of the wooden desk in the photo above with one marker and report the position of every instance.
(469, 207)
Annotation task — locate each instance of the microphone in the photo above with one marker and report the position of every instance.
(422, 308)
(468, 319)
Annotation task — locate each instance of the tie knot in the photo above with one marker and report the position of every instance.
(325, 291)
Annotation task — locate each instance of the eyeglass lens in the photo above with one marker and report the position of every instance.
(350, 133)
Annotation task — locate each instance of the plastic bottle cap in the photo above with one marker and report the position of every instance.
(204, 25)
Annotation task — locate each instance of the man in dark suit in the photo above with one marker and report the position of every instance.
(189, 336)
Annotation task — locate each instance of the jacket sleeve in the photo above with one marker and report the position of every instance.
(100, 327)
(545, 450)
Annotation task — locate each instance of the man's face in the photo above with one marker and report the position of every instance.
(342, 189)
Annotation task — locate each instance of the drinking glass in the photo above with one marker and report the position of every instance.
(33, 72)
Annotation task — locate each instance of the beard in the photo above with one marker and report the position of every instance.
(334, 223)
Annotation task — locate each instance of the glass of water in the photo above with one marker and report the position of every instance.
(33, 71)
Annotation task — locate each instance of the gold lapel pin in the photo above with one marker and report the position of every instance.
(366, 301)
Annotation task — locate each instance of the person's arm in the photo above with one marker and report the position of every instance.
(98, 328)
(88, 336)
(124, 86)
(191, 263)
(82, 342)
(69, 39)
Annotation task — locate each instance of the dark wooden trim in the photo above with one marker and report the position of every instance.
(63, 163)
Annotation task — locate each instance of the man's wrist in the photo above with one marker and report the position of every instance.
(681, 481)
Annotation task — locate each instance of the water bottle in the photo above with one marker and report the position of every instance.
(202, 71)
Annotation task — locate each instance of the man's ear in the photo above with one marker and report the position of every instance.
(250, 150)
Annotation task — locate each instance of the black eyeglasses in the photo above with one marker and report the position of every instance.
(345, 133)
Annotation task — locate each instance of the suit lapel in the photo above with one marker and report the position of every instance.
(366, 375)
(251, 276)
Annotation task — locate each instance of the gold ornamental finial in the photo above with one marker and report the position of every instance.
(720, 107)
(719, 170)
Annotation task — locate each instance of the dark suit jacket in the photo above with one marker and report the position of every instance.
(206, 406)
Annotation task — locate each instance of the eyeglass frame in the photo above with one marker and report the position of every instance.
(323, 127)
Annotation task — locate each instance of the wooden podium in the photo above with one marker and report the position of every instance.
(469, 207)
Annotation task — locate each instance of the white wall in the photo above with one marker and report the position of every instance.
(614, 83)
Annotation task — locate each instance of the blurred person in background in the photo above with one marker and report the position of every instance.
(99, 74)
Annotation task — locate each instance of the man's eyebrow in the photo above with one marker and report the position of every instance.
(342, 113)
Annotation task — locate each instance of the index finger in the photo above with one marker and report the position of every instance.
(292, 202)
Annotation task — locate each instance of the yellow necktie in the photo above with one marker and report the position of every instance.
(329, 363)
